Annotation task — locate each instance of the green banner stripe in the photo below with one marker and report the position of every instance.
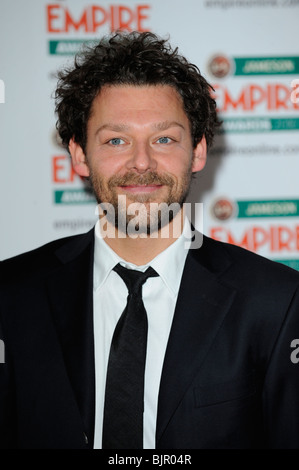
(258, 124)
(69, 46)
(292, 263)
(73, 196)
(266, 65)
(277, 208)
(285, 124)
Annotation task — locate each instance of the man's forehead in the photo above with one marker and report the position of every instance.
(119, 100)
(131, 89)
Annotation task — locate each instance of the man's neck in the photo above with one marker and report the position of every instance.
(141, 250)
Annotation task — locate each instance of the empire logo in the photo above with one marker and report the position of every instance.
(273, 238)
(62, 170)
(69, 187)
(251, 97)
(60, 19)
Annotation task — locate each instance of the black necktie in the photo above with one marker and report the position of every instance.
(124, 396)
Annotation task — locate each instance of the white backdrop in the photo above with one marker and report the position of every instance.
(247, 49)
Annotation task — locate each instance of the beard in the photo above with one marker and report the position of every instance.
(152, 214)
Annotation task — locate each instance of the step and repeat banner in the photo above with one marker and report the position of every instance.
(248, 51)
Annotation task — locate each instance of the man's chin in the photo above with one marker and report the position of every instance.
(143, 220)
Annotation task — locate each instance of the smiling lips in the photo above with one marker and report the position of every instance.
(141, 188)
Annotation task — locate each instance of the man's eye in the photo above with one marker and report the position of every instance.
(116, 141)
(164, 140)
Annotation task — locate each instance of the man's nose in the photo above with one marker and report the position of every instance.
(142, 158)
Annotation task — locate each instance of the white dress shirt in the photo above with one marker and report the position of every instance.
(159, 297)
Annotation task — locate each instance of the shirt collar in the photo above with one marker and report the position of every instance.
(169, 264)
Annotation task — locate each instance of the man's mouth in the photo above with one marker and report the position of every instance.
(141, 188)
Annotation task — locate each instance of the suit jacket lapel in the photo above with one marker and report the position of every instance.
(202, 305)
(70, 291)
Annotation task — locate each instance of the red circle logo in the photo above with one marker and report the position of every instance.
(223, 209)
(219, 66)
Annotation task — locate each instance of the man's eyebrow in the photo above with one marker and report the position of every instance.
(113, 127)
(163, 126)
(160, 126)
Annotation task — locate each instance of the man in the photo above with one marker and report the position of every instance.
(209, 363)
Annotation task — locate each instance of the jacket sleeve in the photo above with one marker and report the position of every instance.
(281, 390)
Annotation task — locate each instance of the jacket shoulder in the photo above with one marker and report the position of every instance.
(216, 254)
(42, 260)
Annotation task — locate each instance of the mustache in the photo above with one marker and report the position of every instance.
(146, 179)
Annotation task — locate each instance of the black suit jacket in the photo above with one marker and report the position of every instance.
(227, 382)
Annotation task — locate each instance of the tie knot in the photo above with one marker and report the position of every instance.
(134, 279)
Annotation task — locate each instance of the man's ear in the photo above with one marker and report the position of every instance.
(199, 155)
(78, 158)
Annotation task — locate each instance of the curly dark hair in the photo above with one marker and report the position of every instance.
(131, 59)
